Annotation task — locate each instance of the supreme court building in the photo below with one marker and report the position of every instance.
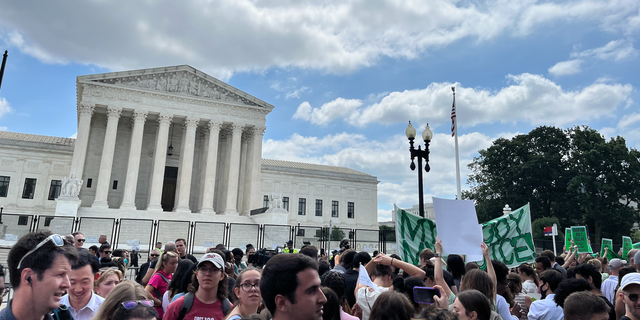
(173, 143)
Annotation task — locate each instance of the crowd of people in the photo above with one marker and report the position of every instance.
(55, 277)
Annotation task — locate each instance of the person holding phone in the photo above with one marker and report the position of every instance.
(381, 274)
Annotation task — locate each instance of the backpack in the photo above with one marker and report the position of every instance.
(188, 302)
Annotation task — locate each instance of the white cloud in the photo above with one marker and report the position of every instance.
(529, 98)
(388, 160)
(328, 112)
(297, 92)
(222, 37)
(4, 128)
(74, 136)
(616, 50)
(5, 108)
(564, 68)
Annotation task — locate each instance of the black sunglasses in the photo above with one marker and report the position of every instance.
(633, 297)
(81, 240)
(154, 255)
(107, 252)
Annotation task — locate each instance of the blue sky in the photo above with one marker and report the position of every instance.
(346, 76)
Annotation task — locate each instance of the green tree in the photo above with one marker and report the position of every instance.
(537, 227)
(337, 234)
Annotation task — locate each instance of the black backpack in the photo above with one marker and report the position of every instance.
(188, 302)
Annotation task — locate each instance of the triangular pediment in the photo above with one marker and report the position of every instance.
(181, 80)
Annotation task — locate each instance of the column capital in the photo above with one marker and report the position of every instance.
(237, 128)
(85, 108)
(258, 130)
(139, 115)
(114, 112)
(165, 119)
(214, 125)
(191, 122)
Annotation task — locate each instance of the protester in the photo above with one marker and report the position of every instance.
(514, 288)
(126, 292)
(159, 282)
(247, 291)
(567, 287)
(455, 265)
(546, 309)
(331, 308)
(391, 305)
(351, 275)
(169, 247)
(179, 282)
(631, 256)
(142, 271)
(39, 266)
(406, 286)
(630, 292)
(181, 250)
(104, 252)
(103, 239)
(336, 281)
(290, 288)
(208, 292)
(542, 264)
(426, 255)
(346, 258)
(609, 286)
(472, 305)
(530, 277)
(590, 273)
(94, 250)
(619, 305)
(585, 306)
(79, 239)
(323, 267)
(503, 298)
(107, 281)
(379, 269)
(237, 258)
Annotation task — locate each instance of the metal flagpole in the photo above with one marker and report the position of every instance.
(454, 119)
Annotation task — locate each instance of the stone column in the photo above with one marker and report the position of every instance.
(248, 172)
(133, 166)
(231, 207)
(159, 161)
(242, 187)
(85, 111)
(211, 161)
(254, 186)
(185, 170)
(104, 176)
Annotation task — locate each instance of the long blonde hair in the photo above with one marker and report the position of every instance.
(164, 258)
(125, 291)
(105, 274)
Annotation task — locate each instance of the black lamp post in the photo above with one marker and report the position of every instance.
(426, 136)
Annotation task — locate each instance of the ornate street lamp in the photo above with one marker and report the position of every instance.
(426, 136)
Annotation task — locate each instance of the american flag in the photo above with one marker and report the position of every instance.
(453, 116)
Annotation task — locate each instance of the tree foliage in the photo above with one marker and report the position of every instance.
(574, 175)
(537, 227)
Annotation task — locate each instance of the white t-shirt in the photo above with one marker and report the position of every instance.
(366, 299)
(528, 286)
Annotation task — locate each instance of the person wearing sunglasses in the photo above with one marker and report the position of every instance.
(630, 294)
(78, 239)
(153, 256)
(104, 252)
(124, 302)
(39, 267)
(80, 299)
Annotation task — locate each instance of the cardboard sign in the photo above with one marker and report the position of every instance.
(626, 246)
(606, 243)
(580, 239)
(636, 245)
(567, 238)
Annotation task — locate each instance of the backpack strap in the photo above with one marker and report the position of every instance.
(186, 305)
(164, 278)
(226, 305)
(156, 292)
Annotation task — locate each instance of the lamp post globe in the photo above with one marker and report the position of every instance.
(421, 154)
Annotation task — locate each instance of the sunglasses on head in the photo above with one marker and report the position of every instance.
(55, 238)
(132, 304)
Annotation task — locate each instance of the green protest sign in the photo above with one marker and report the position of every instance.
(567, 238)
(606, 243)
(580, 238)
(509, 237)
(636, 245)
(590, 249)
(626, 245)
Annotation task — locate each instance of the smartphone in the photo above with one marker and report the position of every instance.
(425, 294)
(321, 252)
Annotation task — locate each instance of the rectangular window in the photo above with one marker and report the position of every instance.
(302, 206)
(4, 186)
(318, 208)
(351, 210)
(29, 188)
(265, 201)
(334, 209)
(54, 190)
(285, 203)
(47, 221)
(89, 181)
(300, 233)
(23, 220)
(115, 184)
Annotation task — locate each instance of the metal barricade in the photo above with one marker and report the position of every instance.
(241, 234)
(206, 235)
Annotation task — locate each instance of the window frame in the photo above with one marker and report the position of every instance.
(351, 210)
(302, 206)
(318, 207)
(33, 188)
(4, 186)
(335, 209)
(55, 188)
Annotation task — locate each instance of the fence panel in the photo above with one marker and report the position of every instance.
(275, 236)
(59, 225)
(134, 230)
(366, 240)
(242, 234)
(206, 235)
(171, 230)
(388, 242)
(92, 228)
(312, 236)
(13, 227)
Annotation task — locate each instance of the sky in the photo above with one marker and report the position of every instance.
(345, 77)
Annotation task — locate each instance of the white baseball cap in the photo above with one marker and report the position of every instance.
(617, 263)
(630, 278)
(214, 258)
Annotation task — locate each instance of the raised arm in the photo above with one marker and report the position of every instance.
(406, 267)
(570, 257)
(437, 271)
(490, 271)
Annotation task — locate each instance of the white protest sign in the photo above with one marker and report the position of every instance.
(457, 226)
(363, 277)
(133, 243)
(92, 239)
(209, 244)
(11, 237)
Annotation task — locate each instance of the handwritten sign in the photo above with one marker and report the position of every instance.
(364, 278)
(580, 238)
(606, 243)
(567, 238)
(626, 246)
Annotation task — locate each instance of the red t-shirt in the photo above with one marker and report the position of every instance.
(157, 282)
(199, 310)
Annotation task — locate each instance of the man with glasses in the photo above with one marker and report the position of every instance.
(79, 239)
(39, 267)
(630, 292)
(80, 299)
(207, 297)
(153, 256)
